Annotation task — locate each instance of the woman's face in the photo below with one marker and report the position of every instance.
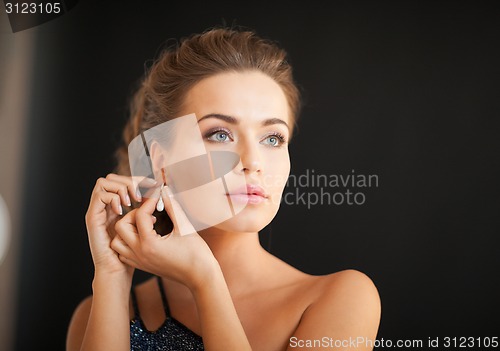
(246, 114)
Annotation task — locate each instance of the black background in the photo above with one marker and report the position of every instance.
(406, 90)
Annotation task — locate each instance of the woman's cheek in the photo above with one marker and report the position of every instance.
(277, 177)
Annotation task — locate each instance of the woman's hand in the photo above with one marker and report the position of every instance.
(109, 196)
(183, 258)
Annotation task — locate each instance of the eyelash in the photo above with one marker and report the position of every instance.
(281, 137)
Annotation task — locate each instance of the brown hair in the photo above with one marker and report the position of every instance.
(161, 93)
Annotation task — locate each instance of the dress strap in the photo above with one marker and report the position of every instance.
(163, 296)
(134, 303)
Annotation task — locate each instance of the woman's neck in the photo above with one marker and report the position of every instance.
(241, 257)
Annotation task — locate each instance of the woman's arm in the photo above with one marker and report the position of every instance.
(101, 322)
(345, 316)
(186, 259)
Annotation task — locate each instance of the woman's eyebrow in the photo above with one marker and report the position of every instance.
(271, 121)
(233, 120)
(228, 119)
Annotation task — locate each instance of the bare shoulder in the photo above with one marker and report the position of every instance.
(346, 286)
(342, 305)
(78, 324)
(350, 281)
(349, 288)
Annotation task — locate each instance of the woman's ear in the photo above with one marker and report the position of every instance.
(157, 156)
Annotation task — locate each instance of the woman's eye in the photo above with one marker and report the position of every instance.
(219, 136)
(274, 140)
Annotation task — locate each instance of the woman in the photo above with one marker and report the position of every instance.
(215, 288)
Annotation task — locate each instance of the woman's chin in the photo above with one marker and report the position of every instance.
(247, 221)
(241, 214)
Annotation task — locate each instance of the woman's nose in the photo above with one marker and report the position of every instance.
(250, 159)
(254, 166)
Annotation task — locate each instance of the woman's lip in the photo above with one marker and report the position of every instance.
(250, 190)
(249, 194)
(247, 198)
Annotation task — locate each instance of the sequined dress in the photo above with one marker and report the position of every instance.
(172, 335)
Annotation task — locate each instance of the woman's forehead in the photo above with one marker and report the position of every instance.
(249, 96)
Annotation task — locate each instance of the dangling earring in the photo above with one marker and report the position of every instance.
(160, 206)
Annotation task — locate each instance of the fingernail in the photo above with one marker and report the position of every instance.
(138, 194)
(127, 198)
(154, 219)
(121, 209)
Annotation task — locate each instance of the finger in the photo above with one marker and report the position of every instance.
(101, 199)
(144, 215)
(121, 247)
(129, 261)
(152, 192)
(133, 184)
(182, 224)
(107, 185)
(126, 229)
